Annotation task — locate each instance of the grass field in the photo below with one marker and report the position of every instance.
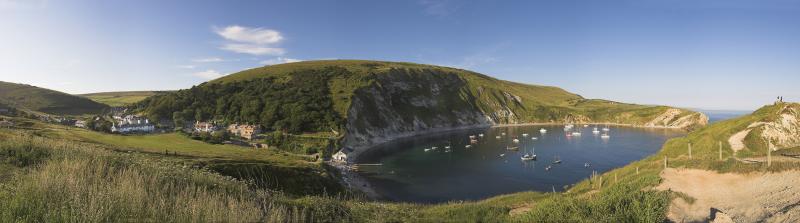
(120, 98)
(48, 101)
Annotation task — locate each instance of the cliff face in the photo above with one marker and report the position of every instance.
(781, 127)
(407, 102)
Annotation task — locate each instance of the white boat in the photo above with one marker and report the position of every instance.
(595, 131)
(467, 146)
(502, 154)
(606, 129)
(534, 138)
(557, 160)
(497, 137)
(576, 134)
(528, 156)
(605, 136)
(548, 167)
(502, 133)
(447, 147)
(542, 130)
(474, 141)
(480, 135)
(516, 140)
(472, 137)
(434, 148)
(585, 126)
(512, 148)
(427, 149)
(587, 165)
(524, 134)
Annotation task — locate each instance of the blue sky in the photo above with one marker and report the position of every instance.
(714, 54)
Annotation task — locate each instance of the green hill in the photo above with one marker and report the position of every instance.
(121, 98)
(373, 101)
(44, 100)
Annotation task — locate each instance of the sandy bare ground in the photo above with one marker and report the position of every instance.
(756, 197)
(737, 140)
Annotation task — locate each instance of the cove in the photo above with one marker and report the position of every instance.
(406, 172)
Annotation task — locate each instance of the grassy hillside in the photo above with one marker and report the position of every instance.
(317, 96)
(45, 100)
(121, 98)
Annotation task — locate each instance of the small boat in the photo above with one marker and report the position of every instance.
(587, 165)
(542, 130)
(480, 135)
(585, 126)
(467, 146)
(427, 149)
(527, 157)
(548, 168)
(434, 148)
(502, 154)
(605, 136)
(472, 137)
(557, 160)
(514, 148)
(447, 150)
(524, 134)
(474, 141)
(606, 129)
(447, 147)
(497, 137)
(516, 140)
(502, 133)
(576, 133)
(534, 138)
(595, 131)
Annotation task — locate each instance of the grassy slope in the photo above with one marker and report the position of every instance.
(120, 98)
(47, 101)
(539, 103)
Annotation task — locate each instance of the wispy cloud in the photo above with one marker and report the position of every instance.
(186, 66)
(279, 60)
(248, 40)
(250, 35)
(208, 74)
(208, 60)
(253, 49)
(440, 8)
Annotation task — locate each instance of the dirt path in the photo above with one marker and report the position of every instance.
(756, 197)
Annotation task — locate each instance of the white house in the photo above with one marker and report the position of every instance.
(133, 125)
(205, 127)
(341, 156)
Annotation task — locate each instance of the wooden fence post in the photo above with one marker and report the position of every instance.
(665, 162)
(720, 150)
(690, 150)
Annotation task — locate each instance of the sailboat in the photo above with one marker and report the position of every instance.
(467, 146)
(542, 130)
(605, 136)
(524, 134)
(516, 140)
(587, 165)
(534, 138)
(595, 131)
(528, 156)
(513, 148)
(502, 154)
(497, 137)
(427, 149)
(480, 135)
(548, 167)
(557, 160)
(606, 129)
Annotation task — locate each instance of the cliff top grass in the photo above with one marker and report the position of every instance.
(44, 100)
(121, 98)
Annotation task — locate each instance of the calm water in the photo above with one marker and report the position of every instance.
(410, 174)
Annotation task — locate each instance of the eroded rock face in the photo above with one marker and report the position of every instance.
(784, 132)
(412, 102)
(677, 118)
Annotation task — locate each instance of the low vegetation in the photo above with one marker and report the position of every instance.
(48, 101)
(118, 99)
